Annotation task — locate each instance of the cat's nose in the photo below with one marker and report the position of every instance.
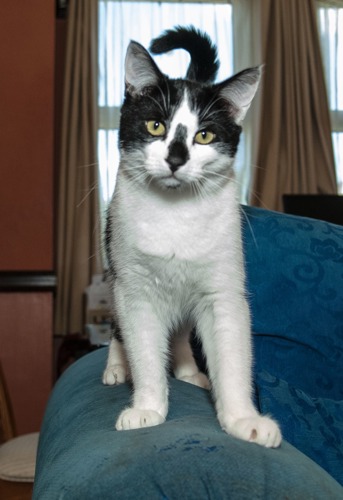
(175, 162)
(178, 155)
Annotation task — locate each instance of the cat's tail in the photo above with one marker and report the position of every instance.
(204, 63)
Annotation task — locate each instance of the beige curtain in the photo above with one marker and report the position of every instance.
(77, 224)
(295, 150)
(247, 48)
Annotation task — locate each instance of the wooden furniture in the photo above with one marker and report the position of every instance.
(15, 491)
(26, 313)
(328, 207)
(7, 426)
(10, 490)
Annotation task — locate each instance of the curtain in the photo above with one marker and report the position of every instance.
(77, 224)
(247, 52)
(295, 150)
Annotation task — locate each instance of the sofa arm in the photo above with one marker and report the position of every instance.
(82, 456)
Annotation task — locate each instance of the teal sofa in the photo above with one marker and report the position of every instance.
(294, 271)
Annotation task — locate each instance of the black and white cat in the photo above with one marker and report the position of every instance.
(174, 238)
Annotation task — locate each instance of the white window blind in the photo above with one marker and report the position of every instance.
(330, 19)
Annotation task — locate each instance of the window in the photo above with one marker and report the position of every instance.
(331, 35)
(120, 21)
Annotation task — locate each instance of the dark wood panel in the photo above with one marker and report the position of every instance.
(26, 354)
(27, 281)
(15, 491)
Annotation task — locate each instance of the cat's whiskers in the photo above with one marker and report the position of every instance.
(249, 225)
(254, 166)
(197, 189)
(213, 181)
(252, 192)
(205, 113)
(88, 193)
(168, 97)
(156, 102)
(139, 177)
(238, 183)
(212, 116)
(228, 176)
(214, 185)
(88, 165)
(166, 102)
(137, 172)
(204, 188)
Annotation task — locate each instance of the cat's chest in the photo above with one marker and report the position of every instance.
(187, 229)
(167, 232)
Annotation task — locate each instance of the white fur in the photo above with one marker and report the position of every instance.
(179, 263)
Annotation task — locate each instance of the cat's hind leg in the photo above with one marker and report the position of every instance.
(116, 371)
(184, 365)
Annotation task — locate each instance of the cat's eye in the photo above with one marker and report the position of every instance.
(155, 128)
(204, 137)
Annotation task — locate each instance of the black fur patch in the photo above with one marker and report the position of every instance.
(178, 153)
(204, 63)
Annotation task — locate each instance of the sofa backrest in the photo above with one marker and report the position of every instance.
(294, 271)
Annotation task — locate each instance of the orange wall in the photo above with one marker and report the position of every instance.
(26, 134)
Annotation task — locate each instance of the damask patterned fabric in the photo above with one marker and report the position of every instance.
(313, 425)
(295, 289)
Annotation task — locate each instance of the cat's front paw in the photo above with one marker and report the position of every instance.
(132, 418)
(198, 379)
(258, 429)
(114, 375)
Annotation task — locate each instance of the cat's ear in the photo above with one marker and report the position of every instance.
(239, 91)
(141, 71)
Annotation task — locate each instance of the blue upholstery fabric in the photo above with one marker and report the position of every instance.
(294, 279)
(82, 457)
(313, 425)
(295, 285)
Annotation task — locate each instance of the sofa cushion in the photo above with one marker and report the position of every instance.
(313, 425)
(294, 277)
(81, 455)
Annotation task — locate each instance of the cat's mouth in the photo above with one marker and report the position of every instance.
(170, 182)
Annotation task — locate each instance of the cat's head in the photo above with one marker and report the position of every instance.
(182, 133)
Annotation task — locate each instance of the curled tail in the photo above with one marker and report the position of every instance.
(204, 62)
